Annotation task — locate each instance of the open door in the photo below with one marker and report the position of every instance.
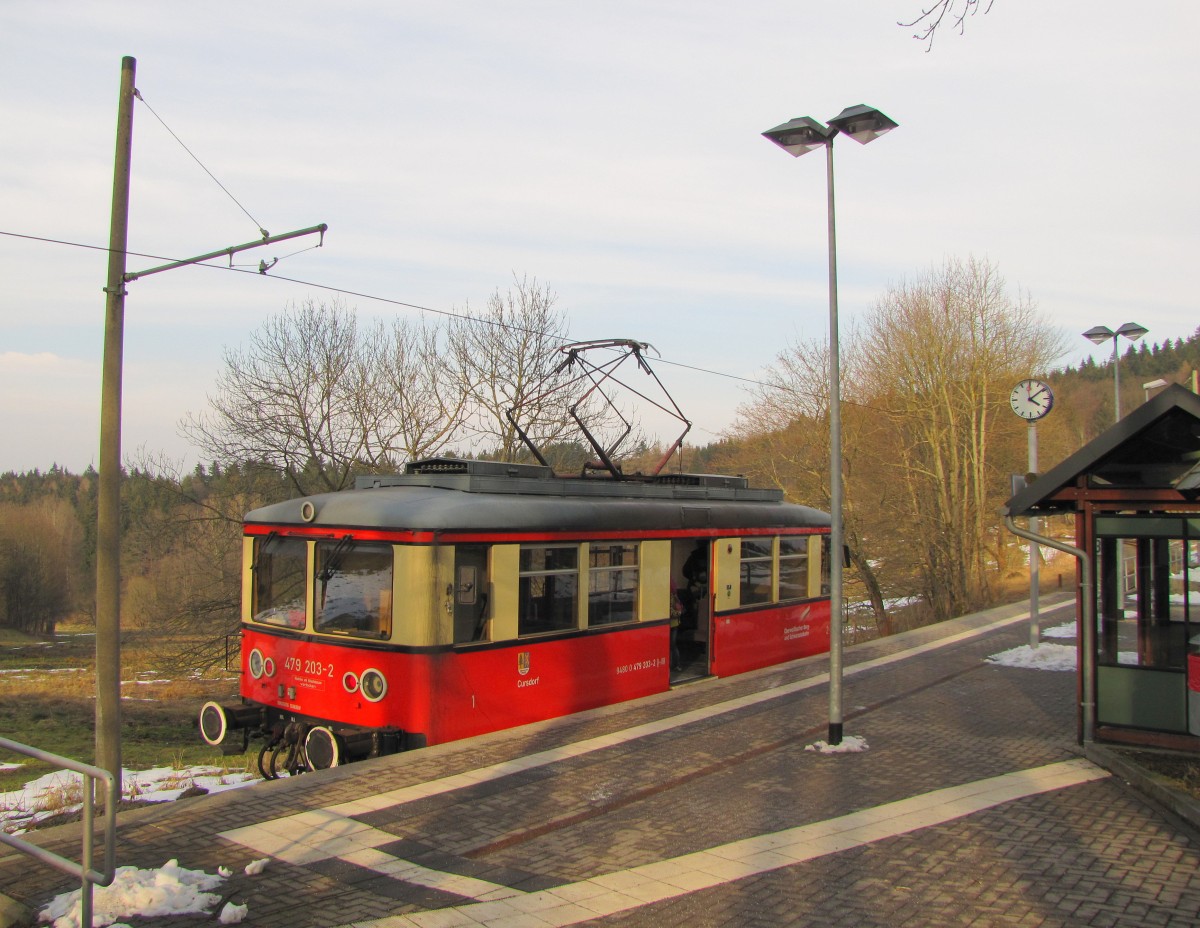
(691, 629)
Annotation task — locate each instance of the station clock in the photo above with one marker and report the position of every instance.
(1031, 399)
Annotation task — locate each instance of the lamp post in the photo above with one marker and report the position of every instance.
(1098, 335)
(1153, 385)
(797, 137)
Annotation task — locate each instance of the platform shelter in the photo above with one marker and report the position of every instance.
(1134, 493)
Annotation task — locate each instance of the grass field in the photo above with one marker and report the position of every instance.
(48, 701)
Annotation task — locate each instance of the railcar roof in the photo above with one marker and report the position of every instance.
(468, 502)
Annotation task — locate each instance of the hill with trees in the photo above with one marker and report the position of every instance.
(928, 438)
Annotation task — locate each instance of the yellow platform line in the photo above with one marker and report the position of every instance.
(638, 886)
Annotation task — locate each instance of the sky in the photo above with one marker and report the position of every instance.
(612, 151)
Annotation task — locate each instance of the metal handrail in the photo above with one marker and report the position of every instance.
(83, 870)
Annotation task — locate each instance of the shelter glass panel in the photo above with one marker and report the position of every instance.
(1146, 586)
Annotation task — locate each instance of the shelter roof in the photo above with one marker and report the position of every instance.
(1154, 448)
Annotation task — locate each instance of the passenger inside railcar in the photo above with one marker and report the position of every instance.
(692, 631)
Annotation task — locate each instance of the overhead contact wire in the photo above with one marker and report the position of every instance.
(424, 309)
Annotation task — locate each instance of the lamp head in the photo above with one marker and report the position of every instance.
(1098, 335)
(800, 136)
(862, 123)
(1132, 330)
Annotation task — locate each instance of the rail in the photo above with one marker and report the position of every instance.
(83, 870)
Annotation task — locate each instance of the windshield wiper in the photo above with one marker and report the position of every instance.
(265, 543)
(333, 563)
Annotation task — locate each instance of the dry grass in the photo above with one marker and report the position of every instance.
(1179, 772)
(48, 699)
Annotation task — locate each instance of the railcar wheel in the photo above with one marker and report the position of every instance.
(273, 761)
(264, 769)
(292, 762)
(323, 748)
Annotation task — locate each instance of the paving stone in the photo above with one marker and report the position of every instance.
(1090, 854)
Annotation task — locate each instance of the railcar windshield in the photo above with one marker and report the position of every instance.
(280, 568)
(353, 589)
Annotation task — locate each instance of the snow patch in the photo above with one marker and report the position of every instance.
(1043, 657)
(851, 744)
(61, 791)
(232, 914)
(170, 890)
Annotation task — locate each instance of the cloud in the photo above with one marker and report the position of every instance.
(611, 149)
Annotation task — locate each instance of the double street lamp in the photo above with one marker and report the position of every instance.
(797, 137)
(1098, 335)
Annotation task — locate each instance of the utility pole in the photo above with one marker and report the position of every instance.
(1035, 629)
(108, 515)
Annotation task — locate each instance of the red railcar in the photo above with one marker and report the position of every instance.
(463, 597)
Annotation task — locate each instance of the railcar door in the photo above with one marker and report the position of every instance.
(691, 631)
(470, 593)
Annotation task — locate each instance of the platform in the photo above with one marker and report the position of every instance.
(973, 805)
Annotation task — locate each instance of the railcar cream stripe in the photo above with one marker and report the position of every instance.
(678, 876)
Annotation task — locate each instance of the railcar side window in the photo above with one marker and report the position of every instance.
(756, 571)
(548, 590)
(612, 583)
(471, 593)
(793, 567)
(353, 589)
(280, 569)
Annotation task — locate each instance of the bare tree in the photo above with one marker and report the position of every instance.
(293, 399)
(936, 13)
(38, 543)
(927, 435)
(507, 359)
(418, 402)
(940, 355)
(183, 545)
(316, 397)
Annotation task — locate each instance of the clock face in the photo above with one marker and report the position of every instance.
(1031, 399)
